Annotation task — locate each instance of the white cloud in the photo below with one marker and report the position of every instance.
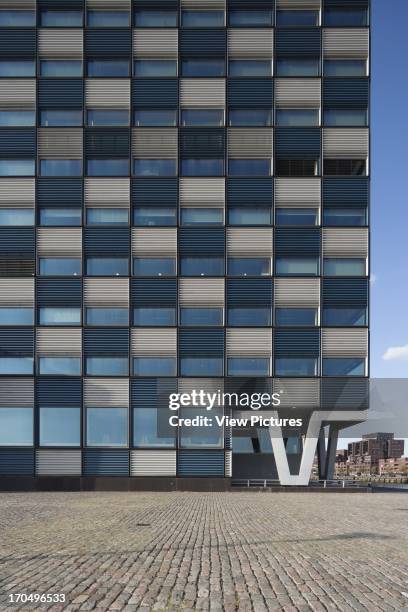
(373, 279)
(399, 353)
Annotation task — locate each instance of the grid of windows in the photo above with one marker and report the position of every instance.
(183, 193)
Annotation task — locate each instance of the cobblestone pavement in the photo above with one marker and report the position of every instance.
(203, 551)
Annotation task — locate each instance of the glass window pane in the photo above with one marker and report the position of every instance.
(17, 216)
(200, 436)
(202, 167)
(154, 266)
(155, 117)
(17, 167)
(249, 167)
(149, 427)
(60, 167)
(107, 366)
(16, 316)
(61, 216)
(65, 366)
(17, 68)
(107, 426)
(155, 19)
(297, 266)
(342, 17)
(201, 366)
(297, 216)
(108, 68)
(297, 117)
(60, 316)
(344, 267)
(107, 266)
(248, 366)
(297, 18)
(97, 118)
(297, 167)
(60, 426)
(201, 117)
(154, 366)
(64, 118)
(155, 167)
(158, 216)
(250, 68)
(202, 216)
(345, 317)
(152, 317)
(60, 266)
(249, 317)
(17, 19)
(345, 117)
(203, 67)
(63, 19)
(257, 117)
(294, 67)
(343, 366)
(107, 316)
(17, 118)
(249, 266)
(16, 427)
(108, 19)
(202, 19)
(295, 316)
(202, 266)
(60, 68)
(201, 316)
(296, 366)
(242, 215)
(155, 68)
(107, 216)
(107, 167)
(345, 68)
(16, 365)
(346, 217)
(250, 18)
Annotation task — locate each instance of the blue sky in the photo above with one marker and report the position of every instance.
(389, 201)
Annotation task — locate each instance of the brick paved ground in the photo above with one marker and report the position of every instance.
(197, 551)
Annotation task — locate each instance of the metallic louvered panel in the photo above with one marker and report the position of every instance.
(201, 291)
(107, 93)
(254, 43)
(17, 192)
(103, 5)
(202, 93)
(345, 393)
(297, 93)
(297, 192)
(351, 292)
(154, 341)
(246, 143)
(106, 292)
(101, 462)
(59, 391)
(59, 341)
(16, 292)
(201, 342)
(344, 342)
(108, 42)
(60, 143)
(253, 342)
(150, 143)
(151, 43)
(60, 93)
(202, 192)
(20, 395)
(17, 93)
(200, 463)
(202, 5)
(228, 464)
(253, 291)
(153, 463)
(249, 241)
(345, 143)
(298, 392)
(106, 392)
(155, 242)
(345, 242)
(58, 462)
(258, 191)
(299, 4)
(16, 462)
(301, 292)
(109, 192)
(61, 43)
(59, 241)
(208, 385)
(345, 43)
(17, 4)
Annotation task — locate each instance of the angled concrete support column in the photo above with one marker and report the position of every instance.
(321, 454)
(331, 452)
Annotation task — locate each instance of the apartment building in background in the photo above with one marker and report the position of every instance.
(184, 196)
(374, 454)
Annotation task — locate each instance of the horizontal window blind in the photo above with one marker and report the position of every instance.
(152, 44)
(202, 93)
(107, 93)
(17, 193)
(154, 291)
(106, 292)
(298, 392)
(17, 93)
(248, 93)
(153, 463)
(14, 395)
(202, 192)
(61, 43)
(59, 391)
(59, 292)
(342, 143)
(248, 342)
(297, 192)
(253, 191)
(201, 291)
(344, 342)
(60, 143)
(300, 292)
(154, 242)
(345, 242)
(59, 341)
(249, 291)
(106, 341)
(154, 144)
(148, 341)
(249, 242)
(297, 93)
(250, 143)
(58, 462)
(16, 292)
(250, 43)
(107, 192)
(345, 43)
(106, 392)
(59, 242)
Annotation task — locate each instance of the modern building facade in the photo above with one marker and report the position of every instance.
(184, 190)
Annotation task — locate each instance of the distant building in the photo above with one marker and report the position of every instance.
(393, 466)
(364, 456)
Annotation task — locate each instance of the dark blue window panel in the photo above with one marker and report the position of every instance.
(346, 3)
(297, 143)
(155, 192)
(103, 341)
(202, 241)
(18, 43)
(156, 4)
(200, 463)
(251, 4)
(298, 42)
(113, 240)
(247, 191)
(60, 93)
(19, 240)
(250, 92)
(106, 462)
(154, 292)
(200, 342)
(16, 341)
(107, 143)
(201, 143)
(344, 292)
(296, 342)
(61, 4)
(16, 462)
(62, 391)
(108, 43)
(344, 92)
(344, 394)
(59, 192)
(152, 392)
(59, 292)
(202, 43)
(156, 93)
(290, 241)
(345, 192)
(253, 291)
(17, 143)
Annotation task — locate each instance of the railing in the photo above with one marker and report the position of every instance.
(264, 483)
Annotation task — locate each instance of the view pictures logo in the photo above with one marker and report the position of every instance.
(218, 399)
